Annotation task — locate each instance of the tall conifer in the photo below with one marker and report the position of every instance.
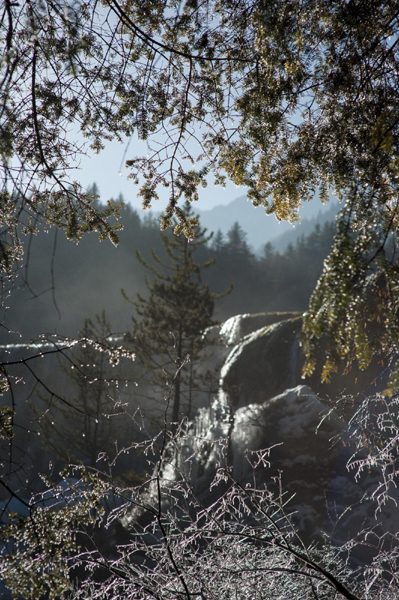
(169, 324)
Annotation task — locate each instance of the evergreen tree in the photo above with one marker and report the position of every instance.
(237, 243)
(218, 241)
(170, 322)
(241, 268)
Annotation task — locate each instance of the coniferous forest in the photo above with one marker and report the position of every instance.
(60, 284)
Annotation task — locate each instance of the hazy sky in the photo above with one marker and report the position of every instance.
(106, 169)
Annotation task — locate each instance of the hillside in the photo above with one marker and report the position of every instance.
(261, 228)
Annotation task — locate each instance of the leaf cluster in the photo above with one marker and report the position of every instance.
(37, 549)
(283, 98)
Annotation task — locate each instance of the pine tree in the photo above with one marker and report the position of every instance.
(218, 242)
(169, 324)
(237, 243)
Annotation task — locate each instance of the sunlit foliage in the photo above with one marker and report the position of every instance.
(281, 97)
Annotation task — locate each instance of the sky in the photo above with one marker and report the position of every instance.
(107, 170)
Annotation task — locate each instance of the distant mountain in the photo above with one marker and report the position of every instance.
(259, 227)
(306, 227)
(262, 228)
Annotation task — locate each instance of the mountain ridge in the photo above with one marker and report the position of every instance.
(262, 228)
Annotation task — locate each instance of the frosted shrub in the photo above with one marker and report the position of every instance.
(163, 540)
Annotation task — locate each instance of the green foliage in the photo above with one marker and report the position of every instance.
(6, 422)
(36, 557)
(354, 307)
(284, 98)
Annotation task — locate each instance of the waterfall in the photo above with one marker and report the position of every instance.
(295, 354)
(231, 330)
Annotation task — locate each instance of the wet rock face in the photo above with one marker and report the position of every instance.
(264, 364)
(236, 328)
(234, 353)
(222, 338)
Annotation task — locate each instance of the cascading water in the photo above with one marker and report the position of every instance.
(231, 330)
(245, 417)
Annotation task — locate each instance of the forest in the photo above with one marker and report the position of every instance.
(180, 416)
(88, 278)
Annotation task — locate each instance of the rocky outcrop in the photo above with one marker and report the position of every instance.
(262, 409)
(260, 364)
(263, 364)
